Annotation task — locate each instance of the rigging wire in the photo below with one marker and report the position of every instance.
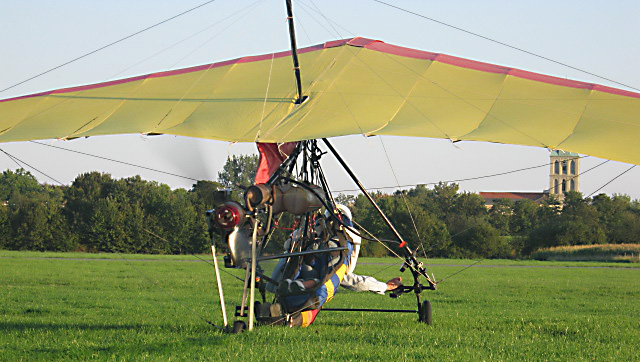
(538, 199)
(504, 44)
(357, 123)
(329, 21)
(406, 98)
(444, 89)
(304, 30)
(387, 268)
(116, 161)
(189, 37)
(15, 159)
(407, 101)
(334, 191)
(199, 79)
(453, 181)
(247, 10)
(600, 164)
(176, 300)
(108, 45)
(385, 245)
(266, 95)
(192, 254)
(613, 179)
(576, 175)
(404, 198)
(461, 270)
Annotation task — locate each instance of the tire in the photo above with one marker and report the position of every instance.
(238, 327)
(425, 313)
(262, 310)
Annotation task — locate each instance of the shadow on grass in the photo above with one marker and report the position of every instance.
(13, 326)
(137, 349)
(165, 340)
(171, 329)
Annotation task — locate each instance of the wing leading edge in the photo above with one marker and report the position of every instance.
(355, 86)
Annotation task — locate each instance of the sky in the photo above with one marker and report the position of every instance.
(37, 35)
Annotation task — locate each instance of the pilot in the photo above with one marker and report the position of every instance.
(355, 282)
(351, 281)
(309, 278)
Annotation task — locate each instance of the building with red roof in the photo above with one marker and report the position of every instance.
(564, 176)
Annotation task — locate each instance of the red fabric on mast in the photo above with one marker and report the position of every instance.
(271, 157)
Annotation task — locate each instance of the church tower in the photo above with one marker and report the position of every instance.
(565, 173)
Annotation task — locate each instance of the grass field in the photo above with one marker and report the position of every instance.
(104, 307)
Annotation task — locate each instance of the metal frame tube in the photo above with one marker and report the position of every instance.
(294, 51)
(366, 193)
(219, 282)
(254, 262)
(370, 310)
(409, 256)
(301, 253)
(244, 290)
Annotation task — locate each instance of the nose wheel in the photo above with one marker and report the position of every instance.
(424, 312)
(238, 327)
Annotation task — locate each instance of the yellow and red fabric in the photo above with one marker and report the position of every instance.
(355, 86)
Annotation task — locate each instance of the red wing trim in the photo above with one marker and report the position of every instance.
(370, 44)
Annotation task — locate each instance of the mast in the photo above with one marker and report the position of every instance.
(294, 52)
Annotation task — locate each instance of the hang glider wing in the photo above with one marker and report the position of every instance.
(355, 86)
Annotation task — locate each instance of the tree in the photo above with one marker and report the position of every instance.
(580, 222)
(500, 215)
(239, 171)
(18, 182)
(617, 216)
(81, 199)
(524, 218)
(37, 222)
(106, 230)
(205, 194)
(481, 240)
(345, 199)
(576, 223)
(366, 215)
(626, 228)
(422, 228)
(5, 226)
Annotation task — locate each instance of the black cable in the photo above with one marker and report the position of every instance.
(613, 179)
(108, 45)
(117, 161)
(192, 254)
(572, 177)
(504, 44)
(15, 159)
(460, 271)
(155, 283)
(451, 181)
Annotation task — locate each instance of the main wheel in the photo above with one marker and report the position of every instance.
(238, 327)
(425, 313)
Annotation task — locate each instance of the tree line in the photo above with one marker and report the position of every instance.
(449, 223)
(100, 214)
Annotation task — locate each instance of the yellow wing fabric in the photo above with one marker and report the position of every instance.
(355, 86)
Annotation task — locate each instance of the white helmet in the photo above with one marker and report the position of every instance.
(343, 210)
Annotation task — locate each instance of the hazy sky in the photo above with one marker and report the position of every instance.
(597, 36)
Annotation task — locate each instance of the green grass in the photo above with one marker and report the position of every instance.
(66, 309)
(629, 253)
